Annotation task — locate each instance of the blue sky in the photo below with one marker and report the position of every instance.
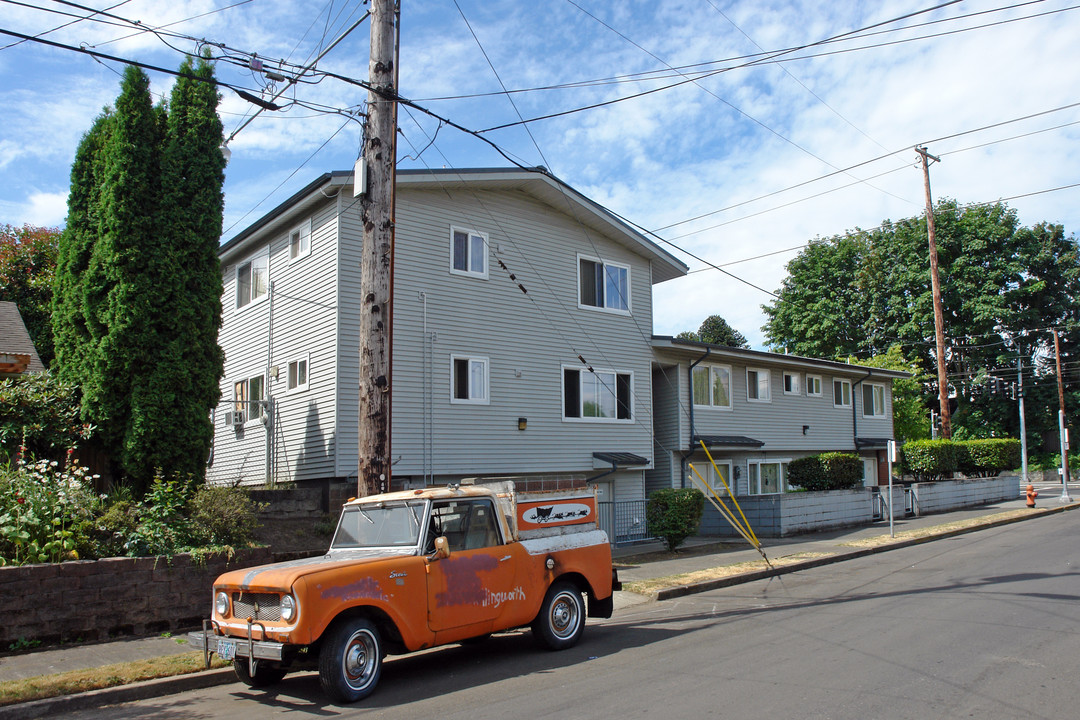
(772, 154)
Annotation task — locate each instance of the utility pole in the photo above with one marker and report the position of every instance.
(1062, 426)
(935, 286)
(377, 264)
(1023, 427)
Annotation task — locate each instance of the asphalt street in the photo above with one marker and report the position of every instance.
(979, 625)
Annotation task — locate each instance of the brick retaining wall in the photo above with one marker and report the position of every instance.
(98, 599)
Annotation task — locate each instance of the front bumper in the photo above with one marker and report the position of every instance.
(209, 640)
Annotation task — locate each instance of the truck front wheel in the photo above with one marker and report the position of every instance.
(350, 661)
(562, 617)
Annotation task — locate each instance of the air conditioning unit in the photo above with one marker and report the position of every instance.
(234, 419)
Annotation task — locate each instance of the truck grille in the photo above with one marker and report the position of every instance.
(257, 606)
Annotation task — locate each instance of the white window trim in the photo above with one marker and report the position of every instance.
(583, 371)
(820, 384)
(264, 252)
(306, 359)
(768, 385)
(782, 462)
(849, 393)
(706, 469)
(468, 252)
(306, 225)
(710, 406)
(799, 382)
(604, 308)
(876, 386)
(251, 417)
(486, 400)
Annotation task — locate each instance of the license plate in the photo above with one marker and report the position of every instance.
(226, 649)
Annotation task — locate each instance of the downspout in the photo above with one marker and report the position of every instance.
(855, 410)
(268, 417)
(690, 451)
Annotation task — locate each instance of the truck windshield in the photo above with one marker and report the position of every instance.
(379, 525)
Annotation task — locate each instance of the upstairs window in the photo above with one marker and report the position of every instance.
(603, 285)
(841, 393)
(297, 374)
(757, 385)
(468, 253)
(712, 386)
(300, 241)
(792, 383)
(469, 382)
(813, 385)
(597, 395)
(873, 399)
(252, 279)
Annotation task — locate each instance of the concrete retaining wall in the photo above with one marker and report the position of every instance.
(954, 494)
(98, 599)
(793, 513)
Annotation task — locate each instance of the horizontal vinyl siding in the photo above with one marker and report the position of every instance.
(668, 443)
(526, 338)
(303, 324)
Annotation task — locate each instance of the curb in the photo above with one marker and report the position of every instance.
(119, 694)
(678, 591)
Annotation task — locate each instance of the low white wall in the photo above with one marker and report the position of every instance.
(813, 511)
(948, 495)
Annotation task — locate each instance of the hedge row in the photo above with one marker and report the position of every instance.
(929, 460)
(826, 471)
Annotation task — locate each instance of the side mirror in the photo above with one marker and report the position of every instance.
(442, 549)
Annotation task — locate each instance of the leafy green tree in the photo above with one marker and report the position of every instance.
(1003, 285)
(911, 418)
(27, 267)
(715, 329)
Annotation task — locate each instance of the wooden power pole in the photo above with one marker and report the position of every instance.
(1062, 422)
(377, 264)
(935, 286)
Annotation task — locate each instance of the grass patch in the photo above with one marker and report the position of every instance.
(650, 587)
(77, 681)
(879, 540)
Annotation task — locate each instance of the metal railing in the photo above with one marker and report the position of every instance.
(624, 521)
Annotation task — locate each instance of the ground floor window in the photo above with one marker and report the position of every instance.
(767, 477)
(708, 472)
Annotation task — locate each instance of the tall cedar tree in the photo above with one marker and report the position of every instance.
(182, 387)
(71, 335)
(138, 292)
(1003, 285)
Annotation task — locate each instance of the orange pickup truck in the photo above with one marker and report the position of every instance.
(412, 570)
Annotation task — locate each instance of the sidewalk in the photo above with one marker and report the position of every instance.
(643, 562)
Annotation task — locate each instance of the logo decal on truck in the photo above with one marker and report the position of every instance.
(498, 598)
(555, 513)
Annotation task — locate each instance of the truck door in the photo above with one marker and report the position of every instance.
(473, 585)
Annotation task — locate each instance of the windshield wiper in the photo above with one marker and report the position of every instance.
(361, 511)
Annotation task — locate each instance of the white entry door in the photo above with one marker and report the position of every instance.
(870, 478)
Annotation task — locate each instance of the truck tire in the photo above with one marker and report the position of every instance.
(264, 674)
(562, 617)
(350, 661)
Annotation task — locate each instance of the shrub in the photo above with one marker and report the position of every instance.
(930, 460)
(224, 516)
(826, 471)
(39, 413)
(674, 514)
(987, 458)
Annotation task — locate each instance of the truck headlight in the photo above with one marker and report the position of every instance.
(221, 604)
(288, 608)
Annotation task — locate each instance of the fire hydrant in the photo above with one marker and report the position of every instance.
(1031, 493)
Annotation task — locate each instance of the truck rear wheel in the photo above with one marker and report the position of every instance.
(350, 661)
(562, 617)
(264, 674)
